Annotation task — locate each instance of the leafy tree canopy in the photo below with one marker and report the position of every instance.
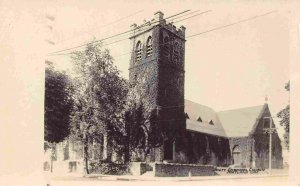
(58, 104)
(99, 96)
(284, 115)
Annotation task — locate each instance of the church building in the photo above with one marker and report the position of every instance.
(194, 133)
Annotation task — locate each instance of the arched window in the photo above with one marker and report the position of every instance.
(138, 51)
(166, 49)
(141, 137)
(236, 149)
(208, 151)
(149, 46)
(211, 122)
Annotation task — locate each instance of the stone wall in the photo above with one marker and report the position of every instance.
(206, 149)
(245, 145)
(262, 145)
(254, 149)
(170, 169)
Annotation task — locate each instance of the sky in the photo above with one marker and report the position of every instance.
(234, 67)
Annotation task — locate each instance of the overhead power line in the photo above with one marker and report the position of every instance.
(100, 40)
(192, 16)
(217, 28)
(243, 20)
(103, 26)
(194, 35)
(186, 14)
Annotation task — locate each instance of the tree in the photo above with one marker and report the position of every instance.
(142, 130)
(58, 106)
(284, 115)
(155, 131)
(100, 97)
(135, 130)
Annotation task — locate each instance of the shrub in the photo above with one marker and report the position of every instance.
(105, 167)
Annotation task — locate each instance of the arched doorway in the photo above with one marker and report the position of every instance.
(169, 149)
(236, 154)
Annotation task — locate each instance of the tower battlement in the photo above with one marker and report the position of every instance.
(158, 20)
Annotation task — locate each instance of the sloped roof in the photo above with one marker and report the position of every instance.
(194, 111)
(240, 122)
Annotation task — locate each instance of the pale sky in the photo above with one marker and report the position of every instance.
(233, 67)
(229, 68)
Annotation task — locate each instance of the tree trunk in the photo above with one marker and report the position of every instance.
(86, 155)
(109, 149)
(52, 156)
(127, 149)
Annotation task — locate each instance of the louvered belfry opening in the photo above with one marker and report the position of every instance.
(138, 51)
(149, 46)
(176, 52)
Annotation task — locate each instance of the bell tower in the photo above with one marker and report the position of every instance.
(157, 72)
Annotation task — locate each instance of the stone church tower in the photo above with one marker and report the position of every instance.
(157, 74)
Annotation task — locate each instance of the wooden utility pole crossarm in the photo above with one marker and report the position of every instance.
(270, 131)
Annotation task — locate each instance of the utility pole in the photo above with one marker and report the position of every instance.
(270, 131)
(50, 24)
(49, 21)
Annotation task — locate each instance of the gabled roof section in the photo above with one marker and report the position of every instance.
(241, 122)
(195, 110)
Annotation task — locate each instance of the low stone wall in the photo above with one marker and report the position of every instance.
(139, 168)
(172, 169)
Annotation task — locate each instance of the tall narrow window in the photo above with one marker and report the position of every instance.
(168, 149)
(166, 48)
(176, 52)
(138, 51)
(266, 123)
(149, 46)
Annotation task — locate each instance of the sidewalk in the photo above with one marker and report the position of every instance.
(193, 178)
(99, 177)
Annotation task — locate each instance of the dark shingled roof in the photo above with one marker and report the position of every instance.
(194, 111)
(230, 123)
(240, 122)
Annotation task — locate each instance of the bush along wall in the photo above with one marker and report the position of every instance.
(110, 168)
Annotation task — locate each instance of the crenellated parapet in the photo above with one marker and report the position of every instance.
(158, 20)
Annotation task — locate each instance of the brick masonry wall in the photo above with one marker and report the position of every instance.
(207, 149)
(245, 145)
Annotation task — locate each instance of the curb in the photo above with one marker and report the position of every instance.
(120, 178)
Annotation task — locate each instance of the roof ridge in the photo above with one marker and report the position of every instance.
(241, 108)
(200, 104)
